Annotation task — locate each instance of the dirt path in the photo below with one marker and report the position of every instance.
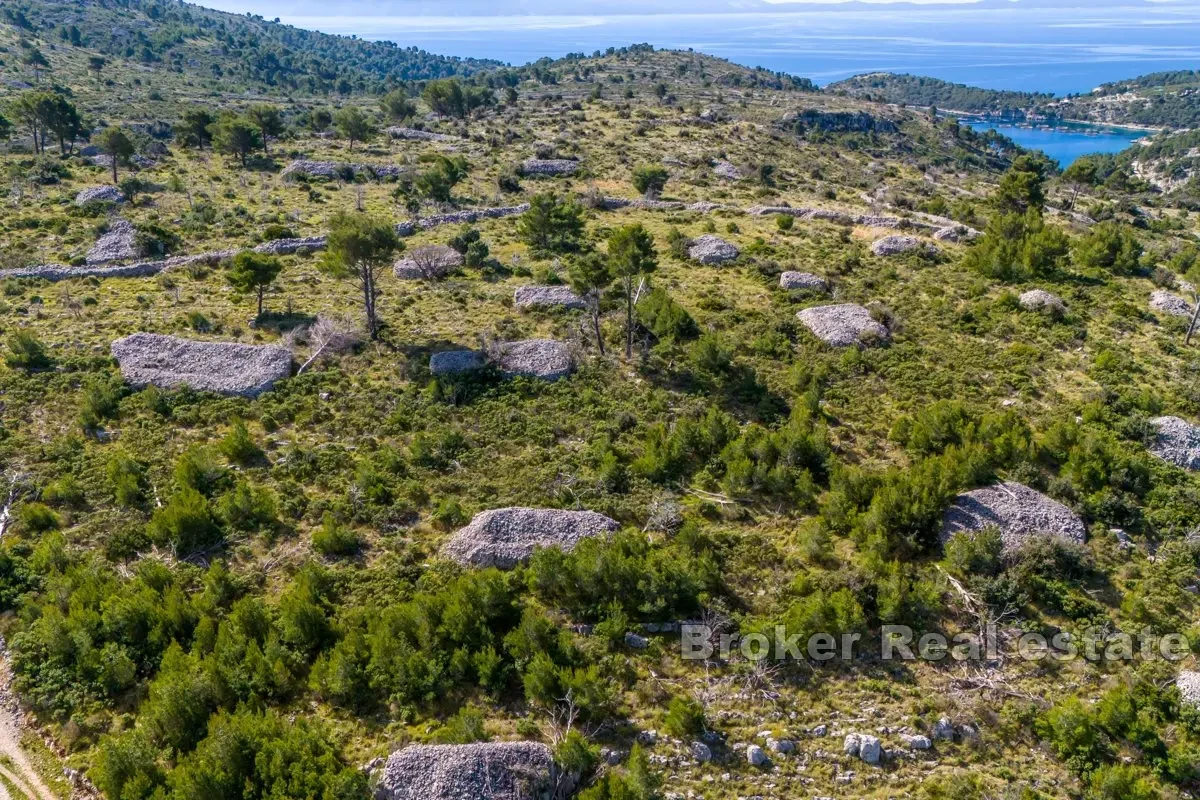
(22, 775)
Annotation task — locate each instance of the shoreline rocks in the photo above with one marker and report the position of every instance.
(229, 368)
(843, 325)
(505, 537)
(495, 770)
(1018, 512)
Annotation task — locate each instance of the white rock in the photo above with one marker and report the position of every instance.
(918, 742)
(943, 729)
(710, 249)
(756, 755)
(844, 325)
(803, 280)
(1173, 304)
(895, 245)
(505, 537)
(1189, 687)
(701, 752)
(1041, 300)
(1176, 441)
(1020, 514)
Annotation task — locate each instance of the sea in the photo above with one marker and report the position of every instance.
(1055, 46)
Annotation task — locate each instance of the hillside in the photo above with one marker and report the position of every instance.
(167, 43)
(1160, 100)
(380, 444)
(916, 90)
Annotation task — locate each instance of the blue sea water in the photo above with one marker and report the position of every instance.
(1065, 144)
(1054, 46)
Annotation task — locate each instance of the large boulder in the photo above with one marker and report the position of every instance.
(803, 280)
(119, 243)
(895, 245)
(710, 249)
(534, 358)
(843, 325)
(1177, 441)
(1173, 304)
(149, 359)
(100, 194)
(956, 233)
(505, 537)
(1041, 300)
(1189, 687)
(1018, 512)
(545, 296)
(483, 771)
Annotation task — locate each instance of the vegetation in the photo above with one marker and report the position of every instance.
(223, 596)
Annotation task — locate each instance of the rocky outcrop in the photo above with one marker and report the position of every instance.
(549, 166)
(895, 245)
(1176, 441)
(1173, 304)
(339, 169)
(1018, 512)
(482, 771)
(727, 171)
(863, 746)
(1188, 682)
(710, 249)
(505, 537)
(413, 134)
(547, 296)
(843, 325)
(100, 194)
(956, 233)
(533, 358)
(119, 243)
(803, 280)
(1041, 300)
(231, 368)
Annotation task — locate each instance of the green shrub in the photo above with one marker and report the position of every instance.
(239, 447)
(26, 352)
(186, 522)
(37, 518)
(334, 539)
(685, 718)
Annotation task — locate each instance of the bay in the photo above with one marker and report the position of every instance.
(1067, 142)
